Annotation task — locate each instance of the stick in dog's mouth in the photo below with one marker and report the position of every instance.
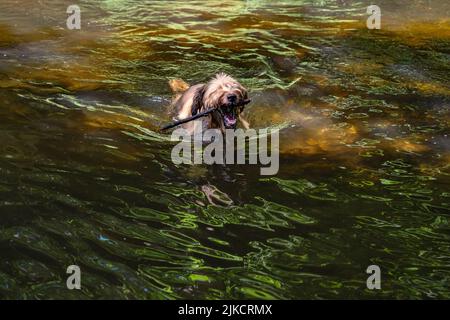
(227, 115)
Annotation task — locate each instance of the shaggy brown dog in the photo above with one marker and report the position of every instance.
(222, 93)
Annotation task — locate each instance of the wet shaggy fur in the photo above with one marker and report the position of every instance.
(221, 93)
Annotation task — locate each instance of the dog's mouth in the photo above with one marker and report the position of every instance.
(229, 120)
(229, 115)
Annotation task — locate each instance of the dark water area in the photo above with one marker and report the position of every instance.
(86, 179)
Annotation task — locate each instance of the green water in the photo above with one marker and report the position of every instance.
(364, 151)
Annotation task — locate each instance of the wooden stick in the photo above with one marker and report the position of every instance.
(177, 123)
(199, 115)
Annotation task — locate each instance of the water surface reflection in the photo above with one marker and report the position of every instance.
(364, 166)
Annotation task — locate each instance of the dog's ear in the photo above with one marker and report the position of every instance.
(197, 102)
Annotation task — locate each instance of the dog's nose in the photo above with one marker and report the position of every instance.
(232, 98)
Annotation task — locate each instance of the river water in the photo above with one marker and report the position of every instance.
(86, 179)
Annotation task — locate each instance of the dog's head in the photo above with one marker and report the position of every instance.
(224, 94)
